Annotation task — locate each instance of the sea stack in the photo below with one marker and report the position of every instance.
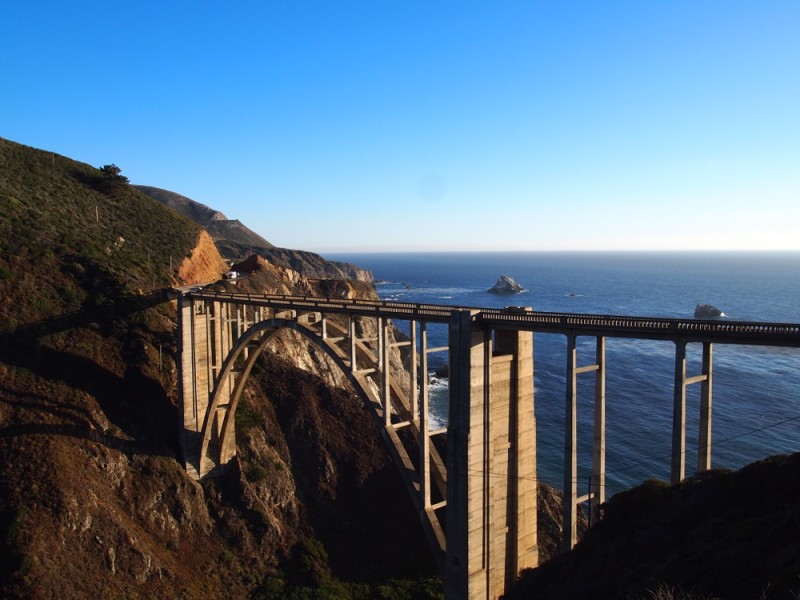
(505, 285)
(707, 311)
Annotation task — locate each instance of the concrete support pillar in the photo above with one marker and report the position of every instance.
(598, 491)
(229, 334)
(413, 391)
(596, 495)
(187, 392)
(195, 377)
(352, 333)
(704, 438)
(570, 501)
(424, 413)
(220, 347)
(705, 378)
(516, 444)
(678, 470)
(466, 356)
(491, 492)
(380, 351)
(386, 371)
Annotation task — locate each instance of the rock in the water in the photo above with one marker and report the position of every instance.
(706, 311)
(505, 285)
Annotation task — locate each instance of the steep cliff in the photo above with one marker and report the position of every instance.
(203, 264)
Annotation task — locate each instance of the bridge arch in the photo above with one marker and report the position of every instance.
(220, 340)
(234, 374)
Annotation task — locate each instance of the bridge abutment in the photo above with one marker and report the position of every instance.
(205, 340)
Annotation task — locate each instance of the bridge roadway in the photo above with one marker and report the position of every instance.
(653, 328)
(478, 507)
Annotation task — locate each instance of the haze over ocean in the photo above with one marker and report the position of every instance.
(756, 410)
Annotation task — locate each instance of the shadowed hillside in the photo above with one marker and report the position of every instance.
(732, 536)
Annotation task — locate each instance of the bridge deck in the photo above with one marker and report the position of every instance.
(656, 328)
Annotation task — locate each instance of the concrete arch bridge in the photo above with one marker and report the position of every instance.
(477, 502)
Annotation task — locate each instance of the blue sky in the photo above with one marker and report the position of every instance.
(436, 125)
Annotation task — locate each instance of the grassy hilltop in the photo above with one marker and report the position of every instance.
(72, 236)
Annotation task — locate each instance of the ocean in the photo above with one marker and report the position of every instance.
(756, 394)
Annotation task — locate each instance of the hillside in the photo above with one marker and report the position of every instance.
(58, 256)
(215, 222)
(93, 500)
(236, 242)
(729, 535)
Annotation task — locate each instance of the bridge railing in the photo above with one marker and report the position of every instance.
(361, 307)
(731, 332)
(720, 331)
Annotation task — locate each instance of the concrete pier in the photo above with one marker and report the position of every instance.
(491, 524)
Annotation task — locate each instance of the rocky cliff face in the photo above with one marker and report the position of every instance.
(313, 265)
(203, 265)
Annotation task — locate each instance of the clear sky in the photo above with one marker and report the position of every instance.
(431, 125)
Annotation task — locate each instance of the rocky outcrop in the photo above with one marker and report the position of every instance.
(315, 266)
(505, 285)
(707, 311)
(203, 265)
